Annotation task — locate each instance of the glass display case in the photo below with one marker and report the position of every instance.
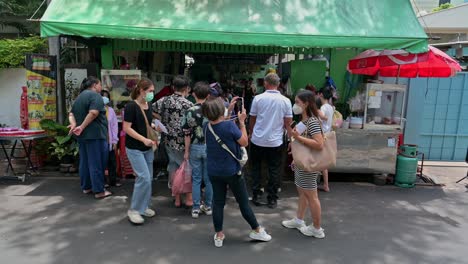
(120, 84)
(385, 106)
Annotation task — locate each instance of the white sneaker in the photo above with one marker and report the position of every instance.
(135, 217)
(312, 231)
(262, 235)
(206, 210)
(149, 212)
(195, 213)
(218, 241)
(293, 223)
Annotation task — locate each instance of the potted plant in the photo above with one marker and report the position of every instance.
(62, 146)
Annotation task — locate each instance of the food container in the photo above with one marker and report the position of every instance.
(356, 122)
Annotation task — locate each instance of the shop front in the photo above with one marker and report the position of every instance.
(233, 41)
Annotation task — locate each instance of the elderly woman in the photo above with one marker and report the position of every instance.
(224, 169)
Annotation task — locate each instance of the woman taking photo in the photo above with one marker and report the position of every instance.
(139, 149)
(224, 170)
(306, 182)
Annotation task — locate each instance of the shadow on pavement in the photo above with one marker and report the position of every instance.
(50, 221)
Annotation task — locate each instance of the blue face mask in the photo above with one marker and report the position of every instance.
(106, 100)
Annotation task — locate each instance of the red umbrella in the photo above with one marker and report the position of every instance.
(400, 63)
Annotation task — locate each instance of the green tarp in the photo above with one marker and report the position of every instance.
(382, 24)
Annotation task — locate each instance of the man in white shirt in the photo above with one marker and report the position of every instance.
(270, 113)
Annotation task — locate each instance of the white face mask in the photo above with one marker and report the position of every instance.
(297, 110)
(105, 99)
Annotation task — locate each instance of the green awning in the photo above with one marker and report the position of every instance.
(382, 24)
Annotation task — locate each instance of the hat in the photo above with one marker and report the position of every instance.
(214, 92)
(215, 89)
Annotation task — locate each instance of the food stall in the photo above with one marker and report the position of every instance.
(370, 144)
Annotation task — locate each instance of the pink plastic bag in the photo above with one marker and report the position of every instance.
(182, 182)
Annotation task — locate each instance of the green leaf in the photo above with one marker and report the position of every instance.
(62, 140)
(12, 51)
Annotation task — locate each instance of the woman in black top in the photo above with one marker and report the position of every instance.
(139, 149)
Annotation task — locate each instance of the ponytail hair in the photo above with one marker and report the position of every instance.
(88, 83)
(143, 84)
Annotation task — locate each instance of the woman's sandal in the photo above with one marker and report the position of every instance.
(103, 195)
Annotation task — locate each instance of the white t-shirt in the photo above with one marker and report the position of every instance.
(328, 111)
(270, 108)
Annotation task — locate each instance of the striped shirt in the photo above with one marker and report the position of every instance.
(305, 179)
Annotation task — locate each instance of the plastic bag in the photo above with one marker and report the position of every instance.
(337, 120)
(182, 182)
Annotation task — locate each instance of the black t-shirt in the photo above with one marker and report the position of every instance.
(134, 115)
(86, 101)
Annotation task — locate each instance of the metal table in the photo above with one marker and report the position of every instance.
(27, 146)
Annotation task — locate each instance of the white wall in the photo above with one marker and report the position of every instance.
(11, 81)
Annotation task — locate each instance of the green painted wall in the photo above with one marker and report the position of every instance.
(107, 56)
(339, 61)
(307, 71)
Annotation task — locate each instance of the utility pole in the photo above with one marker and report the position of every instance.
(54, 50)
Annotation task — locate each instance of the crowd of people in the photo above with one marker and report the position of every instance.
(210, 134)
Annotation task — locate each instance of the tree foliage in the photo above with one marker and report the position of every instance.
(12, 51)
(14, 13)
(442, 7)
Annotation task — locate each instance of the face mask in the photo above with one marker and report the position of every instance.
(297, 110)
(149, 97)
(226, 112)
(105, 99)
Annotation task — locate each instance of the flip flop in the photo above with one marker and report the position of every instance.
(106, 194)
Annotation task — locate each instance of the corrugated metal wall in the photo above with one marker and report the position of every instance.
(438, 117)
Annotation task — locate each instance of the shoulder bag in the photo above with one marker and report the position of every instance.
(150, 132)
(312, 160)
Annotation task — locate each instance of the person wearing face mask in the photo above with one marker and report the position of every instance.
(88, 123)
(171, 111)
(113, 128)
(306, 182)
(139, 149)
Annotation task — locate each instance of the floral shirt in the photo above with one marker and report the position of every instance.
(193, 124)
(172, 110)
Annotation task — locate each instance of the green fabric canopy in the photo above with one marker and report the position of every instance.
(382, 24)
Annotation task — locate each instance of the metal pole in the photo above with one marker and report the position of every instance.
(54, 50)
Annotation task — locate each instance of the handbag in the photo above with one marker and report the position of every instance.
(312, 160)
(244, 155)
(150, 132)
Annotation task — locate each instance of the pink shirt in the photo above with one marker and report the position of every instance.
(112, 126)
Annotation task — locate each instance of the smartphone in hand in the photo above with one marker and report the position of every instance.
(240, 104)
(293, 124)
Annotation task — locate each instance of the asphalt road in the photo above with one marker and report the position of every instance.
(50, 221)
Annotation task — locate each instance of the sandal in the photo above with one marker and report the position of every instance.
(103, 195)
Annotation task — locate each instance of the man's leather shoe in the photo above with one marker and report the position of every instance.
(255, 200)
(272, 204)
